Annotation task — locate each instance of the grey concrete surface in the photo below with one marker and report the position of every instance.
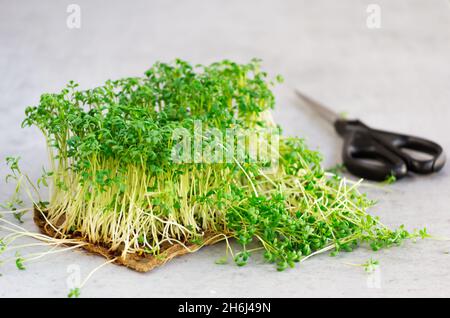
(396, 77)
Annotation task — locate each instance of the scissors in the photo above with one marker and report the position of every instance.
(376, 154)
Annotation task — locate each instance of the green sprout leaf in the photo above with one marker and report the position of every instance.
(19, 262)
(74, 293)
(18, 216)
(2, 246)
(390, 179)
(241, 258)
(222, 261)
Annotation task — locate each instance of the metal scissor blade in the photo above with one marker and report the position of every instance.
(322, 110)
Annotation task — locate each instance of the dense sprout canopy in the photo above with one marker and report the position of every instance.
(132, 119)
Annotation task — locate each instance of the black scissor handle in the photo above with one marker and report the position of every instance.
(400, 143)
(366, 158)
(376, 154)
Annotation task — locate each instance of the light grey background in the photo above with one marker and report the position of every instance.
(396, 78)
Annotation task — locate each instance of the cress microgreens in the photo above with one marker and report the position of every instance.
(112, 179)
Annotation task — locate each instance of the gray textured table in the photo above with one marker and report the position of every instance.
(396, 77)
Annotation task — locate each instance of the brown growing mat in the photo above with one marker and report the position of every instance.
(140, 263)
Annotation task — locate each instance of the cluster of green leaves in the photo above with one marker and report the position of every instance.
(119, 136)
(131, 120)
(290, 228)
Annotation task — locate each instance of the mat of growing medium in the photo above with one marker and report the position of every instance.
(116, 187)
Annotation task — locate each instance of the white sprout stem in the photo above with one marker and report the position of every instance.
(96, 269)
